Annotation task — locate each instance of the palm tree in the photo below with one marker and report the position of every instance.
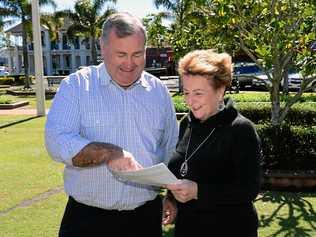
(178, 9)
(21, 10)
(54, 23)
(157, 33)
(87, 20)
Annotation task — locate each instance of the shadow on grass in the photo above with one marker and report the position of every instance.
(298, 211)
(18, 121)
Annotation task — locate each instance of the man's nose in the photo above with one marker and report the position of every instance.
(129, 62)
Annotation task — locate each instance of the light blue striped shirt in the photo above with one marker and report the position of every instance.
(90, 106)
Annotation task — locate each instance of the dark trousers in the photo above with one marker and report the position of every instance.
(80, 220)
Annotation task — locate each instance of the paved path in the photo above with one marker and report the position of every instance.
(25, 110)
(172, 85)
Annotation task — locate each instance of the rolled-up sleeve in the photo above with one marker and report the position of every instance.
(62, 129)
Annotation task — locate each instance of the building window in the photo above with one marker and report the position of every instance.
(43, 38)
(87, 60)
(76, 43)
(67, 61)
(65, 42)
(78, 61)
(55, 63)
(54, 45)
(31, 46)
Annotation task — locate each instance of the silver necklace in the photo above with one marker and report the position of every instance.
(184, 168)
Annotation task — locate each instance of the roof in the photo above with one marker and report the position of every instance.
(17, 29)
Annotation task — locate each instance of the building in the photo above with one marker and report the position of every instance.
(61, 57)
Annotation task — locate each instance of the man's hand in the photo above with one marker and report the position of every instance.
(114, 156)
(95, 153)
(184, 190)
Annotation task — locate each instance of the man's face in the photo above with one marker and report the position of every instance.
(124, 58)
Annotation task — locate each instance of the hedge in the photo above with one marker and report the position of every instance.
(299, 114)
(288, 147)
(291, 147)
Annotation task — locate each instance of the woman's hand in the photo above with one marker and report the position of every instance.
(123, 161)
(184, 190)
(169, 209)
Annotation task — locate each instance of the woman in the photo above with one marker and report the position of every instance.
(217, 155)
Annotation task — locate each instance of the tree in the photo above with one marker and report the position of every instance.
(21, 10)
(179, 10)
(87, 20)
(274, 34)
(157, 33)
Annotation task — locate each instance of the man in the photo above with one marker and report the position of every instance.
(112, 116)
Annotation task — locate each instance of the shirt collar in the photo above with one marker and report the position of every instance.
(105, 77)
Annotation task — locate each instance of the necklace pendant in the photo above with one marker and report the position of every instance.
(184, 168)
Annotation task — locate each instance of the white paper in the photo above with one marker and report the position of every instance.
(157, 175)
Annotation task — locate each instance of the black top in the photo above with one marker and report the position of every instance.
(225, 167)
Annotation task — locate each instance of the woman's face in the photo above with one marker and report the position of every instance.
(201, 97)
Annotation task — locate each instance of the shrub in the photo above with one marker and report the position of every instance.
(265, 97)
(260, 112)
(179, 104)
(299, 114)
(5, 100)
(20, 80)
(6, 80)
(288, 147)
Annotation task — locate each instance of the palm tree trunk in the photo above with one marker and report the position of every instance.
(25, 54)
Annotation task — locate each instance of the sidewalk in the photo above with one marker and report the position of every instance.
(25, 110)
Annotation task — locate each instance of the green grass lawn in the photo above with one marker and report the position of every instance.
(27, 174)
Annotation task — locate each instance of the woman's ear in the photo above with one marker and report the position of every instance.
(221, 92)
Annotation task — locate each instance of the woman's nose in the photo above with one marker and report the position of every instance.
(188, 100)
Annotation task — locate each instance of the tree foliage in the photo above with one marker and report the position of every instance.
(157, 33)
(274, 34)
(86, 21)
(21, 10)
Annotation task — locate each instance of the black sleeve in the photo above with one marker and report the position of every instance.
(245, 180)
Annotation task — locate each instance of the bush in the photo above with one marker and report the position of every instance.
(5, 100)
(260, 112)
(299, 114)
(20, 80)
(6, 80)
(265, 97)
(179, 104)
(288, 147)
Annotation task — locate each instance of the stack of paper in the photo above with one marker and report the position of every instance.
(157, 175)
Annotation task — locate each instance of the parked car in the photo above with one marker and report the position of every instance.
(234, 87)
(245, 73)
(3, 71)
(294, 81)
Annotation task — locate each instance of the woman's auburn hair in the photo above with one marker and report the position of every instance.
(216, 67)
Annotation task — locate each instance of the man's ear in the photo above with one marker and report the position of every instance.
(101, 44)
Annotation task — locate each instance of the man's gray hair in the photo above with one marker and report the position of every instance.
(124, 25)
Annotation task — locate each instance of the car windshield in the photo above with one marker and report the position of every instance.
(247, 69)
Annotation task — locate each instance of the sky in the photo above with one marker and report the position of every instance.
(139, 8)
